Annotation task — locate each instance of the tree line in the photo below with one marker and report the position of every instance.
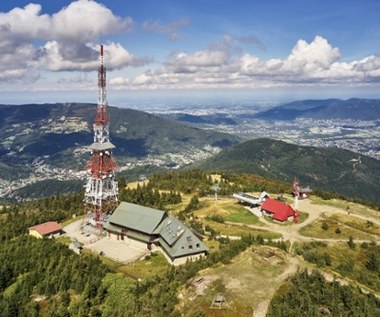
(311, 295)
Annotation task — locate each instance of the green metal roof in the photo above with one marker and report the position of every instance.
(110, 227)
(171, 230)
(136, 217)
(178, 240)
(142, 222)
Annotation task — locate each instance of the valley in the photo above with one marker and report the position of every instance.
(46, 142)
(358, 135)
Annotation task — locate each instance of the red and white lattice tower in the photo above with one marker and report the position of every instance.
(101, 192)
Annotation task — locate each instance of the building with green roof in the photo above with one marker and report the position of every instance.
(156, 227)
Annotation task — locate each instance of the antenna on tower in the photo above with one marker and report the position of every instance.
(101, 194)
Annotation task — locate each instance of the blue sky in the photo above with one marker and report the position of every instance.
(295, 49)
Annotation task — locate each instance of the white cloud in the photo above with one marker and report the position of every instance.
(84, 57)
(67, 38)
(80, 21)
(221, 66)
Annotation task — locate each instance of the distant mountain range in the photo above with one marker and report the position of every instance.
(59, 133)
(355, 109)
(42, 140)
(360, 109)
(330, 169)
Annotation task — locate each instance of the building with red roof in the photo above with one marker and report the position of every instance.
(46, 229)
(277, 210)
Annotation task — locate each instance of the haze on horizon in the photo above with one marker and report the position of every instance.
(199, 51)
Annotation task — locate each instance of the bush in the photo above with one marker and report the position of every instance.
(351, 243)
(217, 218)
(325, 226)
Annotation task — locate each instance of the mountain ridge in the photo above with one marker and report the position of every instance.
(60, 134)
(354, 108)
(330, 169)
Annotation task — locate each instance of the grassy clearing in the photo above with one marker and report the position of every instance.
(156, 264)
(239, 214)
(243, 283)
(355, 222)
(237, 231)
(350, 207)
(229, 209)
(64, 240)
(334, 229)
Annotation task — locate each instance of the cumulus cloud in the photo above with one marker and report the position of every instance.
(67, 38)
(169, 28)
(221, 65)
(84, 57)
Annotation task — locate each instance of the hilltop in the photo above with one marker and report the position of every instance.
(330, 169)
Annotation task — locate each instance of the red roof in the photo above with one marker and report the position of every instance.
(47, 227)
(280, 210)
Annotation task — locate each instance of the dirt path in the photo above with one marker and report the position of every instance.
(262, 308)
(291, 233)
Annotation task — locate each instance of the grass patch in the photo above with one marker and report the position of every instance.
(64, 240)
(350, 207)
(227, 208)
(243, 283)
(302, 216)
(155, 264)
(356, 223)
(239, 214)
(315, 230)
(237, 231)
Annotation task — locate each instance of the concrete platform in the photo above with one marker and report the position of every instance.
(125, 251)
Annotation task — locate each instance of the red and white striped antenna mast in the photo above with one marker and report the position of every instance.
(101, 192)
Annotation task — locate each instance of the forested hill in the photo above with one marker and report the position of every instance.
(59, 133)
(330, 169)
(356, 109)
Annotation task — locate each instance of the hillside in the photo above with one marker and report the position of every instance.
(357, 109)
(36, 135)
(328, 262)
(330, 169)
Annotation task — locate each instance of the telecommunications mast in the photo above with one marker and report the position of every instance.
(101, 190)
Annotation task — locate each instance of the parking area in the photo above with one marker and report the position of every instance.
(125, 251)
